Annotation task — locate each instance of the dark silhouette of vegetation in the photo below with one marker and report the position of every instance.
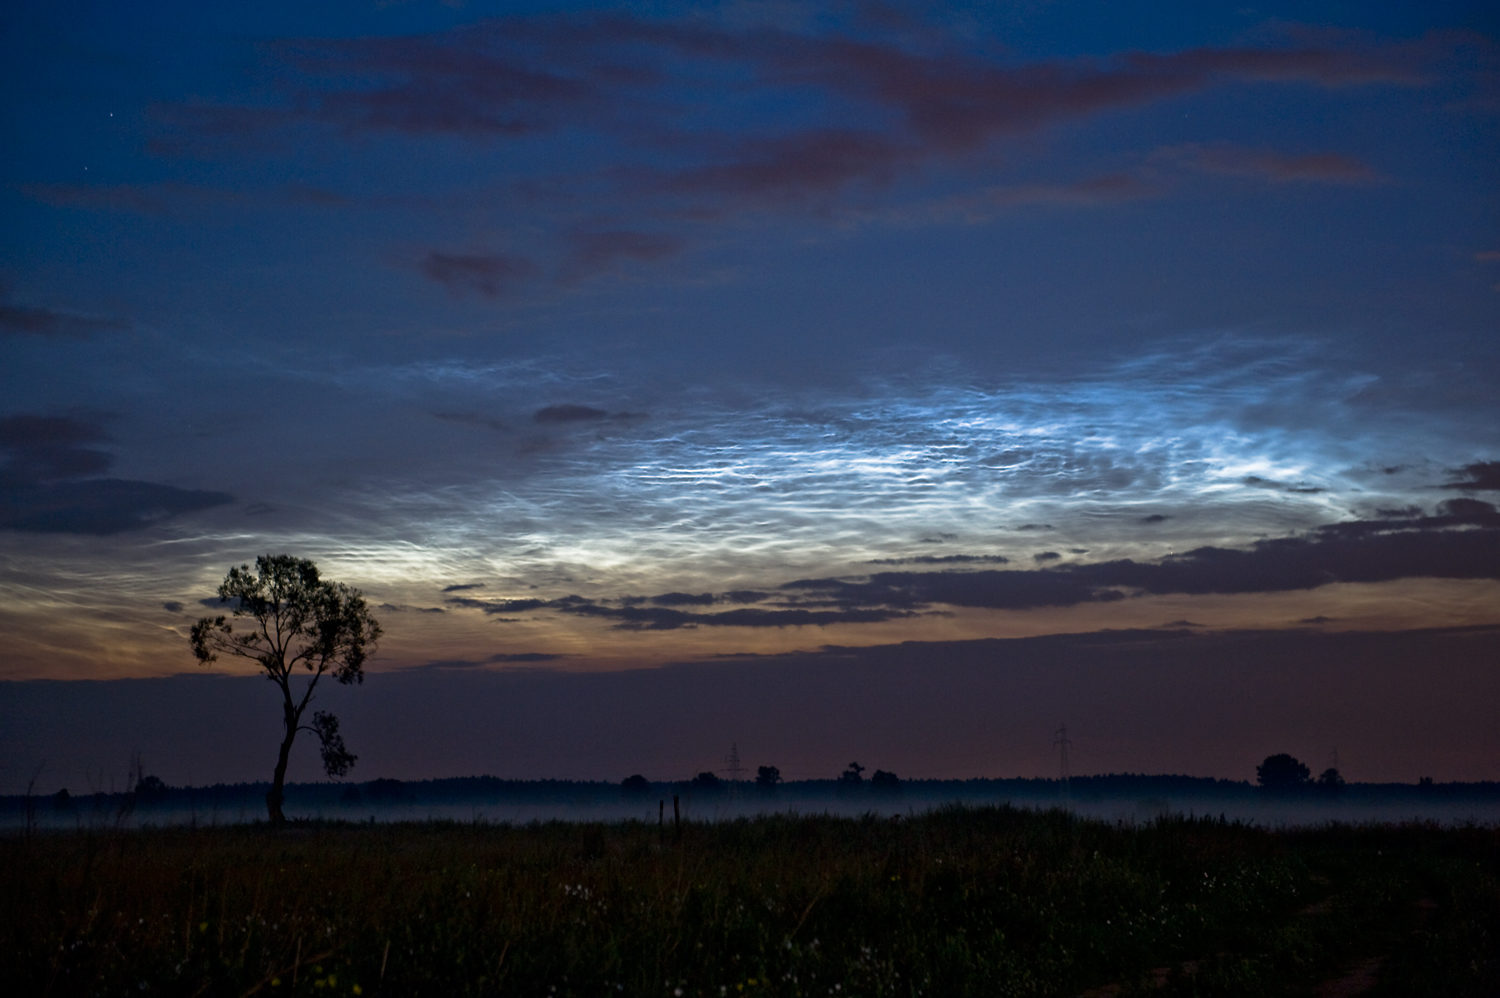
(852, 777)
(150, 788)
(635, 785)
(1331, 781)
(386, 791)
(1282, 772)
(706, 781)
(958, 901)
(478, 795)
(883, 780)
(293, 619)
(766, 777)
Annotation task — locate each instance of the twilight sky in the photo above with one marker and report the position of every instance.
(651, 355)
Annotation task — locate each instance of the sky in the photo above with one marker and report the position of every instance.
(837, 380)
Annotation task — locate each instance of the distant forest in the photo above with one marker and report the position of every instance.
(151, 793)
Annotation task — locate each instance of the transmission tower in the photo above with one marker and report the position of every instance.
(732, 764)
(1061, 740)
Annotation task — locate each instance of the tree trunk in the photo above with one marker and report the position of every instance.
(274, 796)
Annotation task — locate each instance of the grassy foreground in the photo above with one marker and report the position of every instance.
(990, 901)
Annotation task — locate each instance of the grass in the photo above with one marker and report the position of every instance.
(985, 901)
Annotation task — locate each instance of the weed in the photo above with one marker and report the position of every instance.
(987, 901)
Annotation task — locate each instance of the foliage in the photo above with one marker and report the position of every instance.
(852, 776)
(1331, 781)
(883, 780)
(706, 781)
(635, 784)
(766, 777)
(292, 619)
(337, 760)
(954, 902)
(150, 787)
(1281, 772)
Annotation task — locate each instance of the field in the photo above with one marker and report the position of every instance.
(960, 901)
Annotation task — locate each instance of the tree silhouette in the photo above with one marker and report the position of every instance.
(851, 777)
(766, 777)
(291, 618)
(883, 780)
(1331, 781)
(635, 784)
(150, 788)
(707, 781)
(1281, 772)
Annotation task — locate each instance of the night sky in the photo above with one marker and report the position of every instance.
(848, 381)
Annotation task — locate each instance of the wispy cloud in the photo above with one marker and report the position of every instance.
(569, 413)
(1481, 475)
(471, 419)
(1271, 166)
(675, 114)
(167, 197)
(592, 253)
(469, 80)
(489, 274)
(1201, 445)
(1461, 541)
(944, 559)
(499, 658)
(982, 206)
(42, 448)
(40, 321)
(50, 482)
(633, 613)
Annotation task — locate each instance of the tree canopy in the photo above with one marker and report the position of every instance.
(290, 622)
(706, 780)
(852, 776)
(885, 780)
(1282, 772)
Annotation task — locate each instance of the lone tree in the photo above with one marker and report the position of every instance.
(291, 618)
(1282, 772)
(706, 780)
(766, 777)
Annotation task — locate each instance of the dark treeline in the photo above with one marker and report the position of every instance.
(151, 793)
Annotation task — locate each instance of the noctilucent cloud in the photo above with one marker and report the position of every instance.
(590, 338)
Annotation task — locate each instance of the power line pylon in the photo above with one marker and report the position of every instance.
(1061, 740)
(732, 766)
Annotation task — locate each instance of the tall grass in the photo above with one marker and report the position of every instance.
(989, 901)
